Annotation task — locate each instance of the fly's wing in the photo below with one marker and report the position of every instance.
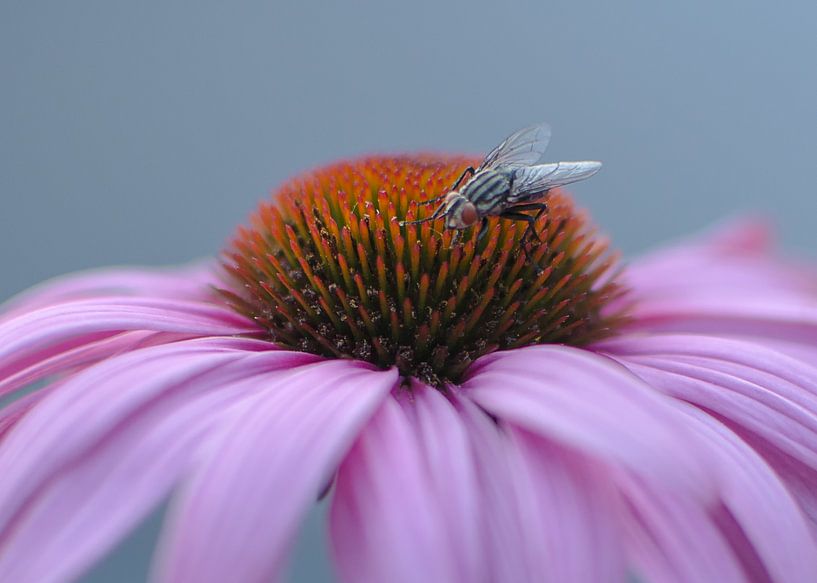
(523, 148)
(531, 182)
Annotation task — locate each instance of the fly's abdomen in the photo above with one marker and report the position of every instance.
(488, 190)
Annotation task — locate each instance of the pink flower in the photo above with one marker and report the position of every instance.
(676, 444)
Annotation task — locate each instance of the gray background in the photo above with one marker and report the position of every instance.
(143, 132)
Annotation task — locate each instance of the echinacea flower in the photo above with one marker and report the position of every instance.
(474, 412)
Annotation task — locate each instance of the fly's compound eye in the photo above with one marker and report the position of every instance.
(469, 214)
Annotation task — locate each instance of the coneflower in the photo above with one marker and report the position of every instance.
(483, 411)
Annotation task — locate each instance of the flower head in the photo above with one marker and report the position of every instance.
(570, 444)
(325, 268)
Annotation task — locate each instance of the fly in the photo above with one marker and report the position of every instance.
(508, 184)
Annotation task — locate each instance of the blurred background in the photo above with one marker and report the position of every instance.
(144, 132)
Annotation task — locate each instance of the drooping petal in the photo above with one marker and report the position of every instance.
(671, 537)
(756, 532)
(736, 257)
(778, 316)
(506, 550)
(594, 405)
(236, 518)
(42, 334)
(83, 355)
(95, 456)
(569, 510)
(769, 398)
(435, 490)
(449, 486)
(387, 522)
(13, 412)
(725, 284)
(188, 282)
(764, 525)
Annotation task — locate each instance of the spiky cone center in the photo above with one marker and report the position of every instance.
(325, 267)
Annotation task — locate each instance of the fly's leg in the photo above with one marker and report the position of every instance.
(483, 229)
(515, 216)
(470, 170)
(438, 212)
(531, 220)
(539, 207)
(432, 200)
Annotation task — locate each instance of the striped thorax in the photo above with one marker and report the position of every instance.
(488, 190)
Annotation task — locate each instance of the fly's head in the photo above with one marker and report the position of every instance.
(460, 213)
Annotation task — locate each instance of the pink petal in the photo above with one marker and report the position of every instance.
(434, 490)
(12, 413)
(736, 256)
(507, 552)
(590, 403)
(768, 397)
(570, 513)
(407, 504)
(770, 314)
(189, 282)
(386, 522)
(82, 356)
(726, 284)
(449, 486)
(36, 336)
(756, 533)
(237, 517)
(91, 459)
(804, 352)
(765, 526)
(673, 538)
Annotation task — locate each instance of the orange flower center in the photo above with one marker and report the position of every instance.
(325, 267)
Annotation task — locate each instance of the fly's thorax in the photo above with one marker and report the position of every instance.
(488, 190)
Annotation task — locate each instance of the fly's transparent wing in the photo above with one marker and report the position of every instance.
(531, 182)
(523, 148)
